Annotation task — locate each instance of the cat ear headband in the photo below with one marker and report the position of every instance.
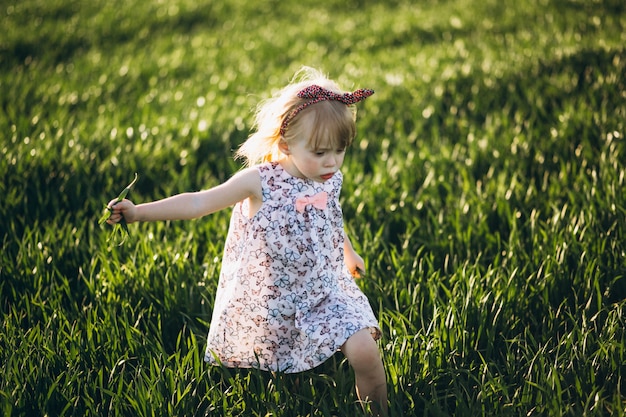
(316, 94)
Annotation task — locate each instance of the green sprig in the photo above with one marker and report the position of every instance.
(121, 228)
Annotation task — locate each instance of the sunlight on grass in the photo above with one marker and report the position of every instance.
(485, 191)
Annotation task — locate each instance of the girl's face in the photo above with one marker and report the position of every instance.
(318, 164)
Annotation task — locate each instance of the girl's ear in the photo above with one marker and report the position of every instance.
(283, 146)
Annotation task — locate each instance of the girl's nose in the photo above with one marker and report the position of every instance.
(330, 161)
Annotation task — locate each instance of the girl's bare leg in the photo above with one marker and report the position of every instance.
(362, 352)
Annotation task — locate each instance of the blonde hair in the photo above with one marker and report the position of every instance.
(325, 123)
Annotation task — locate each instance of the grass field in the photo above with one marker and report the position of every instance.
(486, 191)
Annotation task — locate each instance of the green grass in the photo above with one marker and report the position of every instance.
(486, 191)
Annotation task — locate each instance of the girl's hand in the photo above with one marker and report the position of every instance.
(124, 209)
(117, 212)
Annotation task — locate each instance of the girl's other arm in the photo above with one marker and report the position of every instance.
(353, 260)
(185, 206)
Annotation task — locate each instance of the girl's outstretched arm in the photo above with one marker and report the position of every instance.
(185, 206)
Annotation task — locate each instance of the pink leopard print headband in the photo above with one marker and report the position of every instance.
(317, 94)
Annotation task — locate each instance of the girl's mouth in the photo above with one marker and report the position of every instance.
(327, 176)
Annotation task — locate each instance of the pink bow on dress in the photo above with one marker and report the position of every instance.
(318, 201)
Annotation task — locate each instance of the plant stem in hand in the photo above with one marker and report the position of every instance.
(108, 210)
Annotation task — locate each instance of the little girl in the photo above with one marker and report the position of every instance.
(286, 300)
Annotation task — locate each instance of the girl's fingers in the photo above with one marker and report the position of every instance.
(114, 218)
(117, 211)
(120, 210)
(358, 272)
(118, 206)
(112, 202)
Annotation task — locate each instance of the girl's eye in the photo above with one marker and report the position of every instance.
(326, 151)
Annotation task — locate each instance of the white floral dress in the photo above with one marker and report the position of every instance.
(285, 300)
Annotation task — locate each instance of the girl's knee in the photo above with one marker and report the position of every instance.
(361, 350)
